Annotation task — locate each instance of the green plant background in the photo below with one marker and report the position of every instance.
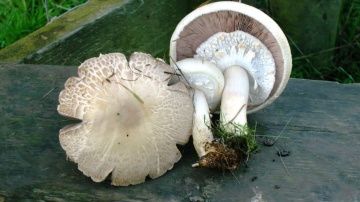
(19, 18)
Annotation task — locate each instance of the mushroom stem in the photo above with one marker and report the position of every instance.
(234, 99)
(201, 123)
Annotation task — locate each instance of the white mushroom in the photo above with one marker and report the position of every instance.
(251, 51)
(207, 84)
(246, 45)
(131, 119)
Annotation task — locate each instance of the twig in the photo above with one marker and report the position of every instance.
(283, 129)
(235, 176)
(237, 114)
(53, 88)
(323, 51)
(307, 60)
(282, 161)
(183, 37)
(177, 69)
(130, 91)
(46, 94)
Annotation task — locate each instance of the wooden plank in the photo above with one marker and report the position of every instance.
(311, 26)
(323, 137)
(101, 27)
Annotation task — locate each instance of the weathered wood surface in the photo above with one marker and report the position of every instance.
(323, 137)
(101, 27)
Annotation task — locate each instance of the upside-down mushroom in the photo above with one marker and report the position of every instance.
(207, 84)
(131, 120)
(247, 46)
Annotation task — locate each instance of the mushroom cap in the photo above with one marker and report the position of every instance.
(228, 17)
(239, 48)
(131, 119)
(205, 76)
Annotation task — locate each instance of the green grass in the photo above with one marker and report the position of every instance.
(242, 138)
(347, 57)
(19, 18)
(345, 66)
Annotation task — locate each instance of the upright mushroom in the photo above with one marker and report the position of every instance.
(246, 45)
(131, 119)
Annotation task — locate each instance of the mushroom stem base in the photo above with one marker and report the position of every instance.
(228, 150)
(201, 133)
(220, 157)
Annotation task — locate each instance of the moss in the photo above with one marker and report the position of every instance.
(229, 149)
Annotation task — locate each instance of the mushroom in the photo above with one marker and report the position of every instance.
(247, 46)
(131, 120)
(207, 83)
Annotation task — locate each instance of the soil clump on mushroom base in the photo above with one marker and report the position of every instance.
(228, 150)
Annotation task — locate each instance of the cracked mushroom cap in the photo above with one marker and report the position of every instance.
(131, 119)
(232, 18)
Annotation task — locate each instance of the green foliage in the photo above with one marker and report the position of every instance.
(240, 138)
(345, 66)
(347, 57)
(19, 18)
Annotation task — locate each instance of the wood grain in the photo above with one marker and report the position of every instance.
(323, 137)
(101, 27)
